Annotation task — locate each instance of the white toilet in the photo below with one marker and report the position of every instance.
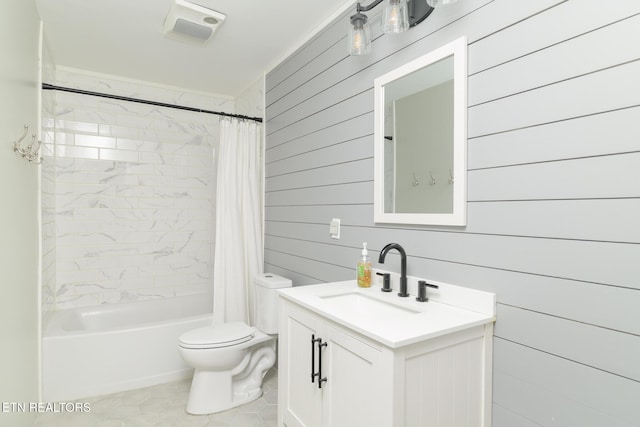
(230, 359)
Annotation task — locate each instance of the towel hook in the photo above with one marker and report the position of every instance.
(31, 151)
(16, 145)
(433, 180)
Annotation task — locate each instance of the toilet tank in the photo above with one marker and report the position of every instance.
(267, 285)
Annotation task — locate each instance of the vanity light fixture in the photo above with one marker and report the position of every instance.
(395, 17)
(398, 16)
(395, 20)
(359, 37)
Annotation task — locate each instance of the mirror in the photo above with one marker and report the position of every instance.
(421, 138)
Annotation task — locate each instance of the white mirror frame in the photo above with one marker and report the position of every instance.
(457, 48)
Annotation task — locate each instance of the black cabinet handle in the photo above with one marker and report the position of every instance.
(320, 378)
(314, 340)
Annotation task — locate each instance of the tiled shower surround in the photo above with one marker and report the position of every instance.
(128, 191)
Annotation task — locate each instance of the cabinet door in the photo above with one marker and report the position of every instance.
(356, 391)
(300, 400)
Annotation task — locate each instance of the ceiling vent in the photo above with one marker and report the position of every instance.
(191, 22)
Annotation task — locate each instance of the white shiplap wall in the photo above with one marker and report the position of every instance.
(554, 190)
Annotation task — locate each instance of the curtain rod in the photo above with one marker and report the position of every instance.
(46, 86)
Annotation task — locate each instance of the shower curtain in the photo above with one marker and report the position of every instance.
(238, 239)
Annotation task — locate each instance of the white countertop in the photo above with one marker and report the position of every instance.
(396, 321)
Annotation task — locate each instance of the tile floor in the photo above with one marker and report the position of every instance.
(163, 406)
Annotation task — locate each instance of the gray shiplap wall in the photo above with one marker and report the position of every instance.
(553, 188)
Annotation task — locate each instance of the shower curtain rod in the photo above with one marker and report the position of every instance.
(46, 86)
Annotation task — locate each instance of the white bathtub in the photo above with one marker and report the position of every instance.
(104, 349)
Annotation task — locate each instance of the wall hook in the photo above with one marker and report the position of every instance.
(16, 145)
(415, 182)
(31, 151)
(451, 177)
(433, 180)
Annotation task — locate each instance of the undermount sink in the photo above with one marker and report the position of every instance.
(363, 305)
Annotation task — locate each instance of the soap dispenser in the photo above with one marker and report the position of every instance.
(364, 268)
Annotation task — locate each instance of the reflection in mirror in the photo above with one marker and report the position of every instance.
(421, 100)
(421, 140)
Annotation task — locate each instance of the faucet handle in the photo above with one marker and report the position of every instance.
(386, 281)
(422, 290)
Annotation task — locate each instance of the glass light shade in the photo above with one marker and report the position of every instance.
(359, 38)
(395, 18)
(438, 3)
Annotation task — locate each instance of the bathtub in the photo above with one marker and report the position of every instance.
(97, 350)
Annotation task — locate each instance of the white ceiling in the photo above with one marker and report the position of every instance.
(124, 38)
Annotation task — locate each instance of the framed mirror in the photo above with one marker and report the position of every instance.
(421, 139)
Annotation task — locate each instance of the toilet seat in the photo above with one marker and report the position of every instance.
(217, 336)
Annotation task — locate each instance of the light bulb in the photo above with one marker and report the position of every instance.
(395, 17)
(359, 38)
(358, 41)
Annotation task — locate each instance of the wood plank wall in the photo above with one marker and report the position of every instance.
(554, 190)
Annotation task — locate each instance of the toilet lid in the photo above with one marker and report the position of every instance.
(219, 335)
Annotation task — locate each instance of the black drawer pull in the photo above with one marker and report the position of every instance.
(321, 379)
(314, 374)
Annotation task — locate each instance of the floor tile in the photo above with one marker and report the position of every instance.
(164, 406)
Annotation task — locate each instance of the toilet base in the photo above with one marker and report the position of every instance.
(217, 391)
(211, 393)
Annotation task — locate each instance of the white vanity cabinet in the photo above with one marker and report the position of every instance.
(441, 380)
(351, 392)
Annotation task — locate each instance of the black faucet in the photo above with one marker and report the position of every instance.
(403, 265)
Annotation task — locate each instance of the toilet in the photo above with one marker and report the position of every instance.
(230, 359)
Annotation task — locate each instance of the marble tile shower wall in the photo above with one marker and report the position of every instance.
(48, 230)
(134, 193)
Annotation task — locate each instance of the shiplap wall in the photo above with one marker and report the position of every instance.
(553, 190)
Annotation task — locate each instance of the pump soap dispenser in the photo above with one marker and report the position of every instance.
(364, 269)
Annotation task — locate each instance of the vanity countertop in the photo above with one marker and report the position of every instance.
(392, 320)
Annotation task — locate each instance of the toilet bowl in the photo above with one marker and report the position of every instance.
(231, 359)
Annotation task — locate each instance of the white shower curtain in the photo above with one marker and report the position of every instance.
(238, 240)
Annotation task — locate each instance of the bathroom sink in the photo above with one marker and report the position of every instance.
(364, 305)
(391, 320)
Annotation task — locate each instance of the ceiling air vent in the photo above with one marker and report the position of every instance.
(191, 22)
